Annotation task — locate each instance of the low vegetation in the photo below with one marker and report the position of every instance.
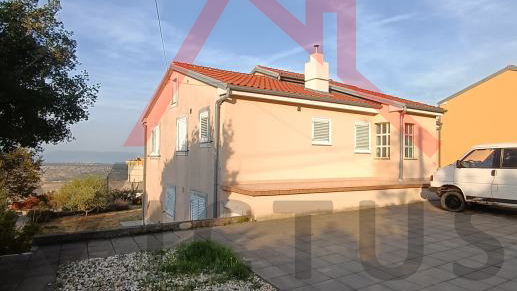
(207, 257)
(83, 194)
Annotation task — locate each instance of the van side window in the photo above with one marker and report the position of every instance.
(510, 158)
(482, 158)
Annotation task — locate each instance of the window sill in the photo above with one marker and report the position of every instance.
(383, 159)
(182, 153)
(205, 144)
(410, 159)
(321, 144)
(172, 105)
(367, 153)
(153, 156)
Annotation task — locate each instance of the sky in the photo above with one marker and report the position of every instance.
(423, 50)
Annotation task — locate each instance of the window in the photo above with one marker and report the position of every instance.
(170, 201)
(175, 91)
(510, 158)
(362, 137)
(383, 140)
(155, 141)
(198, 204)
(181, 134)
(204, 127)
(409, 138)
(321, 131)
(482, 159)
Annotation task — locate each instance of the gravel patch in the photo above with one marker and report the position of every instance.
(142, 271)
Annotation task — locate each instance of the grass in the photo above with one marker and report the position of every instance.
(109, 220)
(207, 257)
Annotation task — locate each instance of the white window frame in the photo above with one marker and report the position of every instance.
(204, 141)
(180, 150)
(318, 142)
(199, 195)
(407, 137)
(155, 141)
(378, 136)
(362, 151)
(170, 212)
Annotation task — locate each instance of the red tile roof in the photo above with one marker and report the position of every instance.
(282, 86)
(299, 76)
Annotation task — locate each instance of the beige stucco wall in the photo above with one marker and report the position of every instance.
(268, 141)
(187, 172)
(264, 208)
(480, 115)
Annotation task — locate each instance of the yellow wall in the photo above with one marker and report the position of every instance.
(483, 114)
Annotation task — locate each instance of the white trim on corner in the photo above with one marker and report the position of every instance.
(423, 112)
(307, 102)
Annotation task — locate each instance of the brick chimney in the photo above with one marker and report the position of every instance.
(317, 72)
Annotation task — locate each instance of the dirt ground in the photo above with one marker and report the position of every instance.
(100, 221)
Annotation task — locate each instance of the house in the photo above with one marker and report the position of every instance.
(479, 114)
(251, 141)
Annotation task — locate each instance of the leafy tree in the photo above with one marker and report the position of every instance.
(41, 92)
(84, 194)
(19, 173)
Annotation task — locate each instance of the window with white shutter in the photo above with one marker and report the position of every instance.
(204, 127)
(155, 141)
(362, 137)
(170, 201)
(321, 131)
(181, 135)
(198, 205)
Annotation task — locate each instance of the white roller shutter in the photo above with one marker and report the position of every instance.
(204, 127)
(321, 131)
(198, 204)
(170, 201)
(362, 137)
(181, 134)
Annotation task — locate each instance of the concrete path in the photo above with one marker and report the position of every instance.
(474, 250)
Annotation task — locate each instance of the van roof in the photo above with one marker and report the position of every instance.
(496, 145)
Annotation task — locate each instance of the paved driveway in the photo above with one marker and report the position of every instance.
(474, 250)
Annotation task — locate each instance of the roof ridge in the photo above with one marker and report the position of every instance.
(207, 67)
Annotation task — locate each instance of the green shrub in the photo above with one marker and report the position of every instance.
(119, 205)
(127, 195)
(209, 257)
(12, 239)
(84, 194)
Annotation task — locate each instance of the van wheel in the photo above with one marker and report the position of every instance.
(453, 201)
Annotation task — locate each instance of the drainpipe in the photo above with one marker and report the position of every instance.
(217, 131)
(144, 195)
(401, 151)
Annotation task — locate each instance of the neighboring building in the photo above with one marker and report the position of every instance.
(479, 114)
(273, 132)
(135, 170)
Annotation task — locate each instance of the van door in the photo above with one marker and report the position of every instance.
(475, 172)
(505, 182)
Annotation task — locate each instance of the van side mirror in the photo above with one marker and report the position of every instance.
(459, 165)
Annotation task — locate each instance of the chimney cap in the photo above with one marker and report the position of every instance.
(316, 47)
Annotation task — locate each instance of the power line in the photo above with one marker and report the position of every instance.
(161, 34)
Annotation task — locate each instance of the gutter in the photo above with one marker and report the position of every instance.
(144, 195)
(223, 97)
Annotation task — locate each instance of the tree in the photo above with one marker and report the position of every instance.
(41, 92)
(84, 194)
(19, 173)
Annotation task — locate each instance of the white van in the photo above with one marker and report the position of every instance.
(485, 174)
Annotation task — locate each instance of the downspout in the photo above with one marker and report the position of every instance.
(401, 150)
(223, 97)
(144, 198)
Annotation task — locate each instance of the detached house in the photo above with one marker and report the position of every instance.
(272, 143)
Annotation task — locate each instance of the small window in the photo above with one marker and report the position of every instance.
(362, 137)
(482, 159)
(204, 127)
(170, 201)
(181, 135)
(155, 141)
(321, 131)
(198, 205)
(383, 140)
(409, 139)
(510, 158)
(175, 91)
